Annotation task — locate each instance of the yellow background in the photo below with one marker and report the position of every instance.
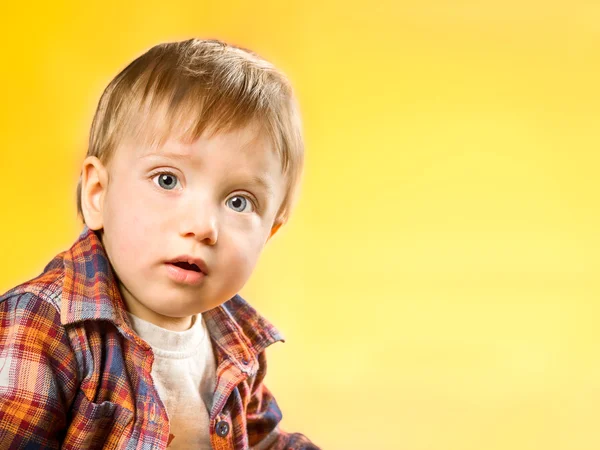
(438, 282)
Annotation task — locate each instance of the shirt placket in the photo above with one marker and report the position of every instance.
(222, 425)
(154, 425)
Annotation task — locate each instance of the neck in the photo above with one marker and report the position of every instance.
(139, 310)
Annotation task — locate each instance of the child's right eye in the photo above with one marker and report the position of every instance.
(166, 180)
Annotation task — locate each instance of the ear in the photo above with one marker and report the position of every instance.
(94, 181)
(276, 226)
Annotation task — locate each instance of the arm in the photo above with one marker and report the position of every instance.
(263, 416)
(37, 372)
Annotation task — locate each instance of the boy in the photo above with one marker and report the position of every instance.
(135, 337)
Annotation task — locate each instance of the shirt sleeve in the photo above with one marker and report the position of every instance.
(263, 416)
(38, 373)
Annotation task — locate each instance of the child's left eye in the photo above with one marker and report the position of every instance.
(240, 203)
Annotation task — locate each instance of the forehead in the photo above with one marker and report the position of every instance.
(247, 142)
(248, 148)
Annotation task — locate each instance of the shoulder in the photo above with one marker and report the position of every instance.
(30, 319)
(39, 375)
(32, 337)
(35, 303)
(42, 291)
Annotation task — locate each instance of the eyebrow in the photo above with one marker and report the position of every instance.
(258, 180)
(177, 156)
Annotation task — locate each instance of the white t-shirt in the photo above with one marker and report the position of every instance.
(184, 374)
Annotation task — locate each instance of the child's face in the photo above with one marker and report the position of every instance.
(214, 200)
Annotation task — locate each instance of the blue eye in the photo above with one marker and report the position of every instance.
(239, 203)
(166, 181)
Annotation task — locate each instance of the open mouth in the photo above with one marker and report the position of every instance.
(187, 266)
(186, 271)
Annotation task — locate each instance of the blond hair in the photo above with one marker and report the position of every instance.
(183, 89)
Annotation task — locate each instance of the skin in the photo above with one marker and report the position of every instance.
(151, 206)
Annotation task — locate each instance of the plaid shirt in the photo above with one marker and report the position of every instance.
(74, 375)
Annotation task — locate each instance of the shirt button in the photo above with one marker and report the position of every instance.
(222, 428)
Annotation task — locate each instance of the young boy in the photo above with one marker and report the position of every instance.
(135, 338)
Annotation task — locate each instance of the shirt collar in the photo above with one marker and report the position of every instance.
(90, 292)
(240, 331)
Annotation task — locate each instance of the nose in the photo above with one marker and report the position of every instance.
(200, 223)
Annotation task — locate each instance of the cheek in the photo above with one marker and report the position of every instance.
(246, 253)
(128, 223)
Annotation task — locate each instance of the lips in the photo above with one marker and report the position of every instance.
(189, 263)
(186, 270)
